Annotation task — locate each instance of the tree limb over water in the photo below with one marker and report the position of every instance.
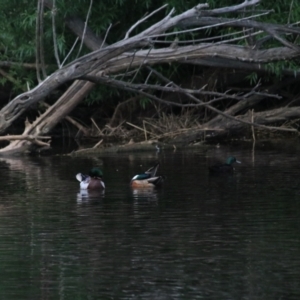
(163, 43)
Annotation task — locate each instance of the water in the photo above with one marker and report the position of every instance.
(198, 237)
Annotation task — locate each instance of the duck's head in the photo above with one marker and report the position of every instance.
(230, 160)
(96, 172)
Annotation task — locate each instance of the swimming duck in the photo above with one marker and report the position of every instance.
(147, 179)
(224, 168)
(91, 181)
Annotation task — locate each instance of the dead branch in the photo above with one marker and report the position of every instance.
(98, 144)
(9, 64)
(85, 26)
(176, 88)
(41, 143)
(53, 14)
(218, 24)
(73, 122)
(82, 128)
(234, 8)
(120, 105)
(143, 19)
(172, 89)
(126, 55)
(222, 113)
(209, 20)
(23, 137)
(204, 51)
(40, 58)
(8, 77)
(139, 128)
(95, 124)
(37, 34)
(32, 138)
(96, 60)
(248, 103)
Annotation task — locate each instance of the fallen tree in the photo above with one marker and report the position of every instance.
(117, 65)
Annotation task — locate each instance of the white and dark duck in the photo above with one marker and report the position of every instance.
(92, 181)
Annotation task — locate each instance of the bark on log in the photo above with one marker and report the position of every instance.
(187, 53)
(54, 114)
(221, 129)
(149, 146)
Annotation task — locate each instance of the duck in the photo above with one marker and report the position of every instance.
(92, 181)
(224, 168)
(148, 179)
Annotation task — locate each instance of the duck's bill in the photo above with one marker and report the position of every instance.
(238, 162)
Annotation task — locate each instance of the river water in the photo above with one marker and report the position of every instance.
(198, 237)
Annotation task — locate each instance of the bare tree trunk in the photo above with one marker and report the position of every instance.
(54, 114)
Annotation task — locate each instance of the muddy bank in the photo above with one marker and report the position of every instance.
(151, 146)
(279, 144)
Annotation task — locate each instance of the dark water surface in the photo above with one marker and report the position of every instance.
(199, 237)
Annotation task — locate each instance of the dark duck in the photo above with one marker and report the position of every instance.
(227, 167)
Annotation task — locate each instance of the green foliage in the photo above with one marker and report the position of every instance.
(3, 81)
(274, 68)
(144, 102)
(278, 67)
(18, 26)
(100, 94)
(252, 78)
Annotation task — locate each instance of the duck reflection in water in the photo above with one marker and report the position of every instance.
(89, 195)
(149, 194)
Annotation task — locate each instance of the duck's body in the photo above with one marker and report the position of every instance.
(146, 183)
(91, 181)
(224, 168)
(147, 179)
